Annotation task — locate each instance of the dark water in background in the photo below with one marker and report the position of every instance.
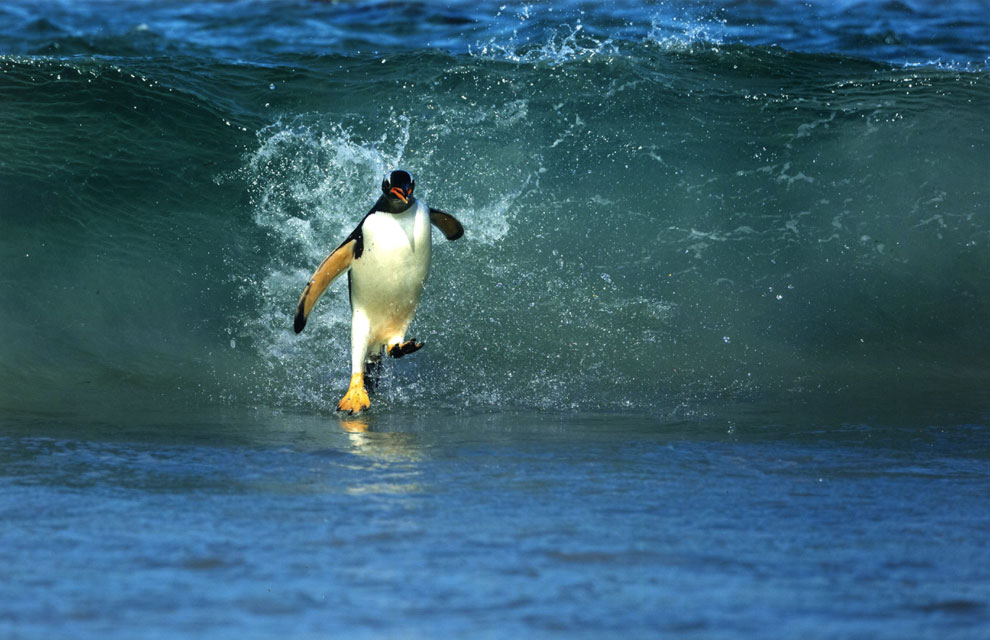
(710, 360)
(658, 214)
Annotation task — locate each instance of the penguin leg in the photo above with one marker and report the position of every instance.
(356, 399)
(399, 349)
(373, 372)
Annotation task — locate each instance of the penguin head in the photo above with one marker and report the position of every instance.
(398, 189)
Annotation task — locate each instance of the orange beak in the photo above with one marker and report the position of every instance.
(402, 196)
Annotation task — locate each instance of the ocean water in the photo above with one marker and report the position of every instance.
(710, 361)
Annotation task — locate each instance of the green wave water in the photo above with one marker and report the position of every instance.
(652, 225)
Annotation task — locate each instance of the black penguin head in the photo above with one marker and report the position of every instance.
(398, 189)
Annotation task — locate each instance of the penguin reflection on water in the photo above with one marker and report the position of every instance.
(387, 258)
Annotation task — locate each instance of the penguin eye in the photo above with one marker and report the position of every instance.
(385, 184)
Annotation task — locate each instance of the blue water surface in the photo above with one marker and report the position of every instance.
(529, 526)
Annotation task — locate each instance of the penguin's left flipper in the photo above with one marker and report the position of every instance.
(446, 223)
(405, 348)
(332, 266)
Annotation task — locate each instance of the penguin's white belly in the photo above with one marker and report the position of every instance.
(387, 280)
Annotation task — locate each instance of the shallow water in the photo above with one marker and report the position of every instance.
(506, 525)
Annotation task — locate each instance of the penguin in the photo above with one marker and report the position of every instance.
(387, 260)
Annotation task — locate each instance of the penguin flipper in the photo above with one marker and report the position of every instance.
(332, 266)
(446, 223)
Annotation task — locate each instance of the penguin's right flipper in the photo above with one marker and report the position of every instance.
(446, 223)
(335, 264)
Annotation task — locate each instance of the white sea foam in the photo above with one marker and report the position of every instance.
(309, 187)
(684, 34)
(304, 179)
(563, 44)
(310, 184)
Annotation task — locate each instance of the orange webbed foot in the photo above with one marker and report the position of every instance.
(356, 399)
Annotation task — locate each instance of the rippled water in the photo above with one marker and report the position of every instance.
(494, 526)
